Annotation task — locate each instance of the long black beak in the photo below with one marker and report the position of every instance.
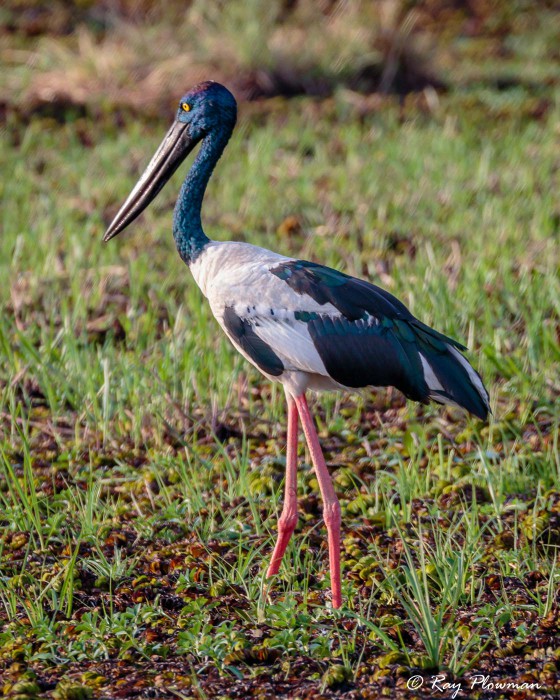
(174, 148)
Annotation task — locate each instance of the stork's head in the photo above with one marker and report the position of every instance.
(206, 108)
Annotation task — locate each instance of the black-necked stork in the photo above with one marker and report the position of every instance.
(300, 323)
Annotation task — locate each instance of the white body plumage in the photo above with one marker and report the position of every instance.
(237, 275)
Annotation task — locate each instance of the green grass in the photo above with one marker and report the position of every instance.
(142, 460)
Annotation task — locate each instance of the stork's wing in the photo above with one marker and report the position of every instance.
(375, 341)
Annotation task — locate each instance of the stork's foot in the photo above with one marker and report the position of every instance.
(331, 506)
(286, 526)
(288, 520)
(331, 515)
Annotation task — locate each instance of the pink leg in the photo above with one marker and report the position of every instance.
(331, 506)
(288, 520)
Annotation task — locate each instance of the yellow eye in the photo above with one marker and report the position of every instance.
(186, 107)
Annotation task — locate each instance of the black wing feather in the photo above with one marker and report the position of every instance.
(377, 341)
(241, 331)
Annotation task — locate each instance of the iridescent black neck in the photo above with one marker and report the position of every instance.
(189, 236)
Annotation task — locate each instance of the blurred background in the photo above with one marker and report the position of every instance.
(96, 57)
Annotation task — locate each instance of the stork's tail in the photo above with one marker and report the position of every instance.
(449, 376)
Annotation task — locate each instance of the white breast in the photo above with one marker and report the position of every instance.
(226, 266)
(237, 275)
